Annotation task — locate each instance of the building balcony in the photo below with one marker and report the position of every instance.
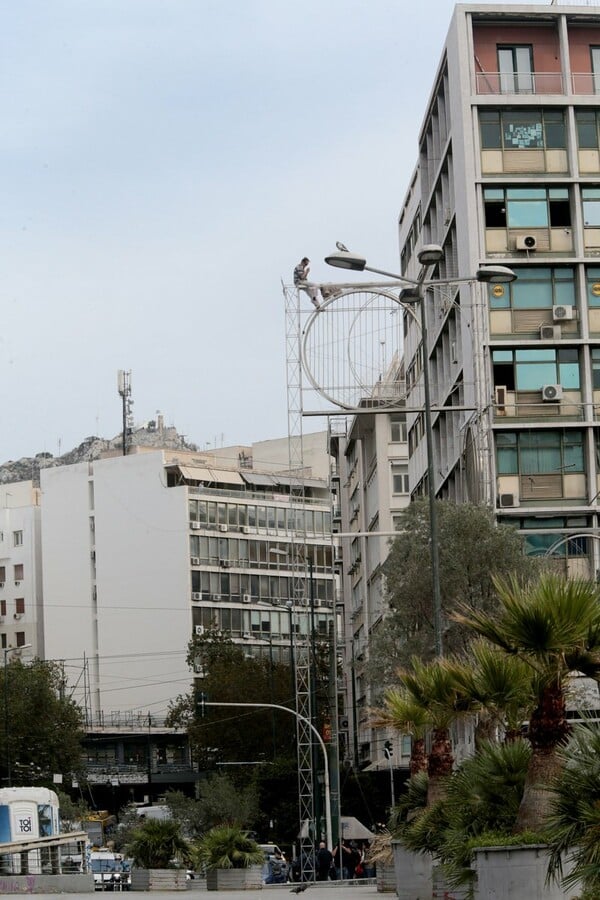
(522, 83)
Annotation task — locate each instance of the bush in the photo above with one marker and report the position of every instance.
(158, 844)
(228, 847)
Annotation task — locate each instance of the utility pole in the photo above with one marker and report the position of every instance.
(124, 389)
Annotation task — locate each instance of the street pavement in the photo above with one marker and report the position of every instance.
(327, 890)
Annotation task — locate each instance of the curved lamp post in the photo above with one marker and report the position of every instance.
(428, 256)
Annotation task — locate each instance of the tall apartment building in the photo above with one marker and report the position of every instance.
(370, 481)
(20, 568)
(142, 551)
(509, 173)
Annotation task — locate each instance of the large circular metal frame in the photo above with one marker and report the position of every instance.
(350, 346)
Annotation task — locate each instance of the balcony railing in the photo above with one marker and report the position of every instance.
(585, 83)
(520, 83)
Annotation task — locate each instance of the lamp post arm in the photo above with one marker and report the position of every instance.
(321, 744)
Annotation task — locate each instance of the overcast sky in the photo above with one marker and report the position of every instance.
(166, 163)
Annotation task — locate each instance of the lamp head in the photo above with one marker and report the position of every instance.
(344, 259)
(430, 254)
(495, 275)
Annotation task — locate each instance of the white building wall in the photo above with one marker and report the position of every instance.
(135, 633)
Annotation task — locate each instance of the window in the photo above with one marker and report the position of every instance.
(539, 452)
(591, 206)
(2, 574)
(20, 605)
(514, 207)
(587, 129)
(17, 538)
(398, 428)
(537, 288)
(400, 480)
(20, 638)
(3, 641)
(526, 129)
(18, 569)
(2, 607)
(538, 543)
(515, 65)
(530, 370)
(595, 55)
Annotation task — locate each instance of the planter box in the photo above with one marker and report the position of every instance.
(441, 889)
(234, 879)
(158, 880)
(385, 877)
(414, 873)
(517, 873)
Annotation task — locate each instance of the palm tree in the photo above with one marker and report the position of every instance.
(553, 626)
(158, 843)
(499, 688)
(428, 698)
(402, 714)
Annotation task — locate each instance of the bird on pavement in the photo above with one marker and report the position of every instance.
(299, 888)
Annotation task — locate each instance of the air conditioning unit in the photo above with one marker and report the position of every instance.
(18, 583)
(526, 242)
(196, 595)
(562, 313)
(199, 630)
(18, 616)
(195, 525)
(550, 332)
(500, 398)
(246, 598)
(1, 584)
(246, 529)
(275, 601)
(246, 635)
(222, 527)
(552, 393)
(226, 563)
(506, 501)
(217, 596)
(195, 560)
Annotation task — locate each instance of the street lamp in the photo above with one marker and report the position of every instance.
(6, 651)
(428, 256)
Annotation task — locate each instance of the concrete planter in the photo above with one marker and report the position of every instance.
(414, 873)
(158, 880)
(234, 879)
(442, 891)
(385, 878)
(515, 873)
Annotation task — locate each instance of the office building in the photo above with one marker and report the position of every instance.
(508, 173)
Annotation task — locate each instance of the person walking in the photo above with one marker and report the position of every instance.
(324, 860)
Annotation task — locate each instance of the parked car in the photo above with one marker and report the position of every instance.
(111, 871)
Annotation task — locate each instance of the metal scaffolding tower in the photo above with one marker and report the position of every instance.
(305, 740)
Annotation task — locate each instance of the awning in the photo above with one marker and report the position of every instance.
(195, 473)
(258, 480)
(294, 481)
(225, 476)
(350, 829)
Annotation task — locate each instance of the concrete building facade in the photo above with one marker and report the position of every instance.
(509, 173)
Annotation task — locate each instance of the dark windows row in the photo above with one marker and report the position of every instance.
(254, 588)
(239, 515)
(538, 207)
(542, 452)
(536, 129)
(208, 550)
(542, 287)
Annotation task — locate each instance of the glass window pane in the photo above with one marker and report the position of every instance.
(531, 296)
(564, 293)
(591, 213)
(526, 193)
(527, 214)
(587, 131)
(532, 377)
(569, 376)
(489, 122)
(554, 130)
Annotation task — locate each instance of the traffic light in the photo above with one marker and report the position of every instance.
(388, 750)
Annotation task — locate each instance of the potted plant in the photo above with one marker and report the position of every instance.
(158, 850)
(381, 855)
(233, 861)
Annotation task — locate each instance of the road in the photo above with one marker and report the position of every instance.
(328, 890)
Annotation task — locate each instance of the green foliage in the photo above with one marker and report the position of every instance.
(482, 798)
(44, 725)
(574, 824)
(228, 734)
(158, 844)
(228, 847)
(72, 812)
(472, 550)
(222, 800)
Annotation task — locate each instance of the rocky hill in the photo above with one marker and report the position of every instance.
(151, 434)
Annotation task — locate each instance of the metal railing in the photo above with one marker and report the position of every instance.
(520, 83)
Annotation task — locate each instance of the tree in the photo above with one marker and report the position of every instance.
(230, 676)
(45, 730)
(473, 549)
(157, 844)
(553, 626)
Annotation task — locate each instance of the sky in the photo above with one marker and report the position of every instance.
(166, 164)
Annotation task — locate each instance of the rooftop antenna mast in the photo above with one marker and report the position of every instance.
(124, 388)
